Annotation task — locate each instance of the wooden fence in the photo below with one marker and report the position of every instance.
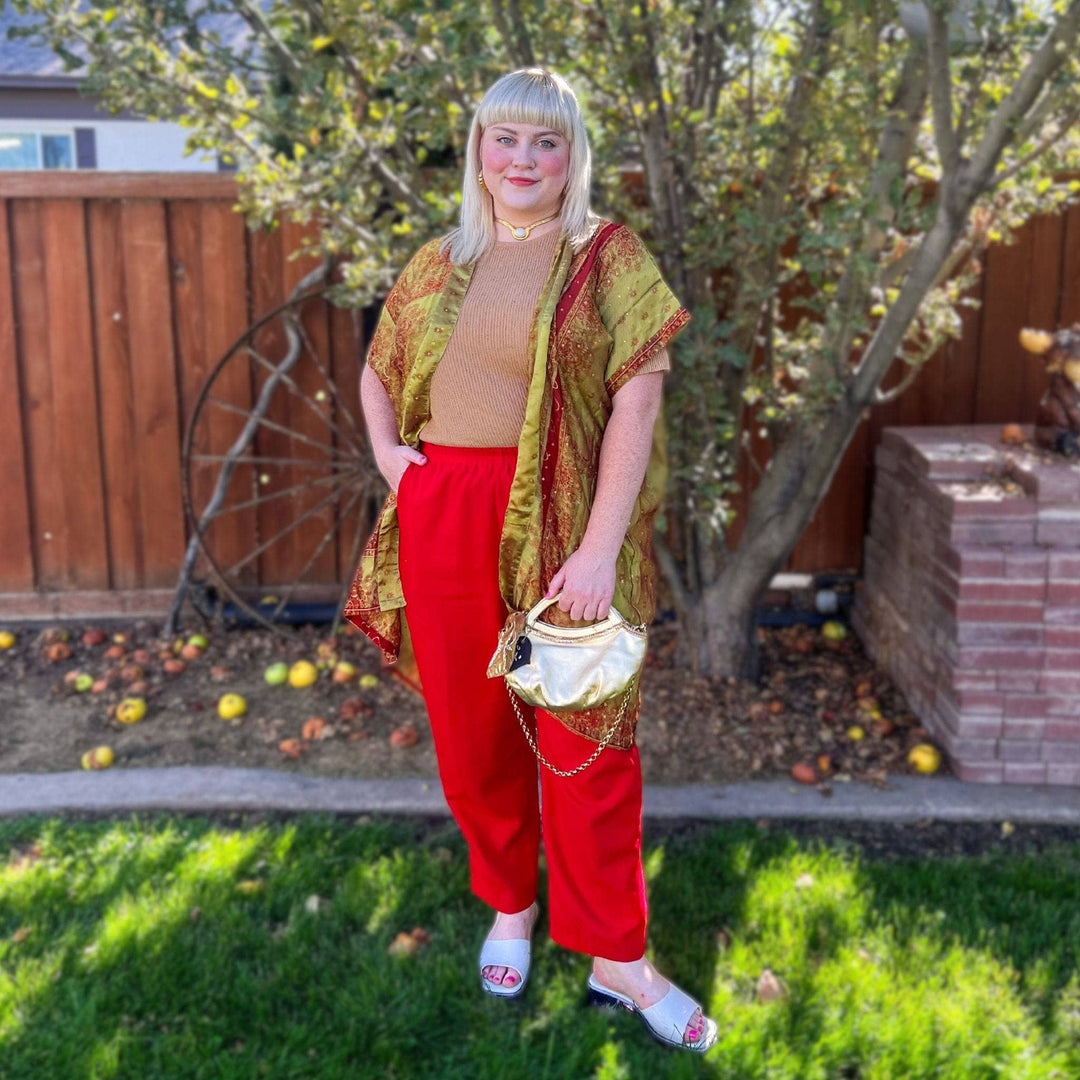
(119, 291)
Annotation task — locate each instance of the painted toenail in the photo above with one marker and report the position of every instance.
(509, 979)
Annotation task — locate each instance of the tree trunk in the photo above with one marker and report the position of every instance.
(718, 622)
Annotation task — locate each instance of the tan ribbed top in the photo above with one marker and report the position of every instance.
(480, 386)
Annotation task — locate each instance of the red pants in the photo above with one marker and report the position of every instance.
(450, 518)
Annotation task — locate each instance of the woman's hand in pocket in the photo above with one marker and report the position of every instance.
(394, 463)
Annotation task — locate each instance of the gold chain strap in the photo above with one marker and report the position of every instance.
(595, 754)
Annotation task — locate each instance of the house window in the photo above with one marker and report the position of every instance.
(37, 150)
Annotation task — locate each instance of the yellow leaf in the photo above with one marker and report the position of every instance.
(320, 43)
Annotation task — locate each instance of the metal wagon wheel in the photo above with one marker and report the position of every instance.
(278, 485)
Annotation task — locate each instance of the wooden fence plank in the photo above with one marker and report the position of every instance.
(75, 397)
(122, 516)
(47, 511)
(16, 547)
(1010, 382)
(1069, 286)
(154, 382)
(210, 299)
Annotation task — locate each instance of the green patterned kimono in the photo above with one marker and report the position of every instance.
(601, 315)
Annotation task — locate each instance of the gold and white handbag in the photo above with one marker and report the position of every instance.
(568, 668)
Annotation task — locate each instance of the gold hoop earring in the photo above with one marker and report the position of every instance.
(480, 180)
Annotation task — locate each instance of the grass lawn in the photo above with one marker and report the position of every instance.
(174, 947)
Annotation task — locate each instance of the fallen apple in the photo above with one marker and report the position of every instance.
(368, 681)
(93, 636)
(131, 710)
(855, 733)
(230, 706)
(925, 757)
(174, 666)
(191, 652)
(276, 674)
(57, 651)
(291, 747)
(344, 672)
(804, 773)
(834, 631)
(200, 641)
(101, 757)
(405, 735)
(303, 673)
(83, 682)
(313, 728)
(7, 639)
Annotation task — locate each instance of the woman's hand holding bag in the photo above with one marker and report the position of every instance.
(568, 667)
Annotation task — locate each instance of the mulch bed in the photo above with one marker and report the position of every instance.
(692, 728)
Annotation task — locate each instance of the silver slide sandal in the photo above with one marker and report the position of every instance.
(665, 1020)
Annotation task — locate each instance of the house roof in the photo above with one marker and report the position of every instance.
(30, 62)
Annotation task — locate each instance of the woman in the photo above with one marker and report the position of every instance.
(512, 395)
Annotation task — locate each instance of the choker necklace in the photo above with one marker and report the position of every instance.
(521, 232)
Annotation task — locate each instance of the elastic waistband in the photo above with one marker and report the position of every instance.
(439, 452)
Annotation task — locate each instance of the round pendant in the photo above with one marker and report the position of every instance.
(520, 233)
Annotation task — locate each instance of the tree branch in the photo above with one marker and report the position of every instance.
(1041, 147)
(941, 86)
(883, 397)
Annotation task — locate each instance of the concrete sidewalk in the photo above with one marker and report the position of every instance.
(210, 789)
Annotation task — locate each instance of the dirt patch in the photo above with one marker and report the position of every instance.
(813, 692)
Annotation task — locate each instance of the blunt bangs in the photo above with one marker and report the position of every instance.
(526, 96)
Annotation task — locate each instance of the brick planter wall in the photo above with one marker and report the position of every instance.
(971, 598)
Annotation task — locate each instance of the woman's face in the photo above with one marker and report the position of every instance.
(525, 169)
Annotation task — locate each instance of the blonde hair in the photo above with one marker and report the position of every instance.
(526, 96)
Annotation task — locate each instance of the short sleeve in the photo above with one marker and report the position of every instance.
(639, 310)
(660, 361)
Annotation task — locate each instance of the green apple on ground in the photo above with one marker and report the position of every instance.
(276, 674)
